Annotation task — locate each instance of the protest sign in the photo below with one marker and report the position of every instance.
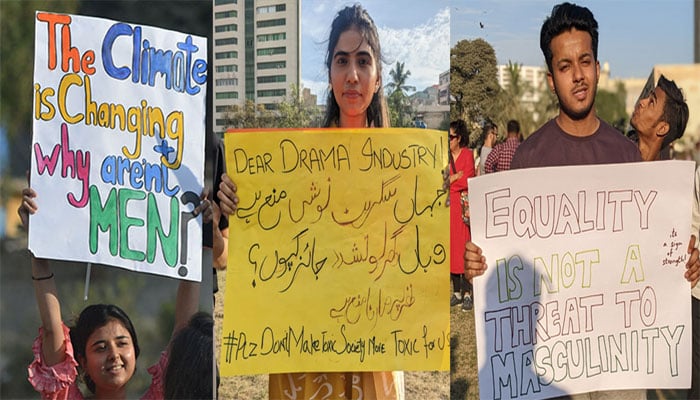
(338, 252)
(584, 289)
(117, 157)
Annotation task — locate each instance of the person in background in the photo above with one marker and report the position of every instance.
(490, 132)
(658, 120)
(499, 159)
(461, 168)
(188, 375)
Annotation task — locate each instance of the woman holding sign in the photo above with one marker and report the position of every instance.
(355, 100)
(102, 346)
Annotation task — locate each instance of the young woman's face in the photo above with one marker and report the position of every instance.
(110, 358)
(354, 78)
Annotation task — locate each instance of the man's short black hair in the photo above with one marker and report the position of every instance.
(675, 110)
(564, 17)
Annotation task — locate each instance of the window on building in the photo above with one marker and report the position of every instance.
(272, 79)
(272, 93)
(220, 2)
(271, 22)
(226, 41)
(221, 109)
(272, 65)
(271, 9)
(227, 82)
(226, 28)
(272, 37)
(227, 95)
(226, 14)
(272, 51)
(227, 68)
(226, 54)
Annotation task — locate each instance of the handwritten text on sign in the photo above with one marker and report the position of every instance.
(117, 154)
(584, 288)
(339, 258)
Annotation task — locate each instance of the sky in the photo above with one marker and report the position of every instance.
(634, 35)
(414, 32)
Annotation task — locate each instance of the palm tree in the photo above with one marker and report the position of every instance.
(397, 89)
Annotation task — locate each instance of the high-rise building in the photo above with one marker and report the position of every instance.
(257, 52)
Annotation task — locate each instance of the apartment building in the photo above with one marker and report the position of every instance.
(256, 53)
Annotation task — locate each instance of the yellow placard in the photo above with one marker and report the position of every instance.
(338, 252)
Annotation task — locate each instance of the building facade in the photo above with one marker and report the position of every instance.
(256, 53)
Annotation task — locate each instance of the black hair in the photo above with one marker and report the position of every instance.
(356, 17)
(460, 129)
(92, 318)
(675, 110)
(189, 374)
(564, 17)
(513, 126)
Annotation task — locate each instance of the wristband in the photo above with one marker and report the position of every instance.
(42, 278)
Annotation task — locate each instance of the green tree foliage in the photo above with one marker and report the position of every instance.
(292, 112)
(546, 108)
(511, 100)
(610, 106)
(249, 115)
(397, 95)
(16, 72)
(473, 82)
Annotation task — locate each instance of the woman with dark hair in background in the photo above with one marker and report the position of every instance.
(189, 374)
(461, 168)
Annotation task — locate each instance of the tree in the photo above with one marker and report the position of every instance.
(610, 106)
(17, 48)
(294, 112)
(546, 107)
(397, 89)
(512, 100)
(473, 82)
(249, 115)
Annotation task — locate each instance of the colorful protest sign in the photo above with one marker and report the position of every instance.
(338, 252)
(584, 289)
(118, 145)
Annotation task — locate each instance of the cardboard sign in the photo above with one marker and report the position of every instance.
(338, 252)
(118, 144)
(584, 289)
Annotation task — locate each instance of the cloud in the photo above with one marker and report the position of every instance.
(424, 49)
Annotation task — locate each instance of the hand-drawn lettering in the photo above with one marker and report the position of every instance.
(177, 68)
(544, 216)
(77, 162)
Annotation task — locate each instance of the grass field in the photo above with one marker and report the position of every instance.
(460, 383)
